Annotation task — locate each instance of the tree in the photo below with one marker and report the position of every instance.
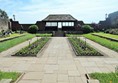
(33, 29)
(87, 29)
(3, 14)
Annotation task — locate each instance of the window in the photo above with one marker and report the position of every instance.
(68, 23)
(51, 23)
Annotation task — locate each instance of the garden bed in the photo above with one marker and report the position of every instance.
(33, 48)
(104, 42)
(10, 75)
(103, 77)
(81, 48)
(106, 36)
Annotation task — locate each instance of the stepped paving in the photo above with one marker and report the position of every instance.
(57, 64)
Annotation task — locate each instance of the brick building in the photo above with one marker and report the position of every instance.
(52, 22)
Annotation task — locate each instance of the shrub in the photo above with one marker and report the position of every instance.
(33, 29)
(107, 31)
(87, 29)
(112, 31)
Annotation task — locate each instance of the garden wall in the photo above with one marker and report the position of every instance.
(3, 24)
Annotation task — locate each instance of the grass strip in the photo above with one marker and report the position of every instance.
(107, 35)
(10, 36)
(43, 35)
(73, 35)
(9, 75)
(107, 43)
(10, 43)
(105, 77)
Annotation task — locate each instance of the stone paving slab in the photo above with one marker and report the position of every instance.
(57, 65)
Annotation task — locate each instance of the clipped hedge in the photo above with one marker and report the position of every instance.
(33, 29)
(33, 48)
(87, 29)
(82, 48)
(43, 35)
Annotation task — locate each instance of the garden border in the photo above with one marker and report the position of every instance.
(72, 47)
(20, 77)
(43, 48)
(75, 52)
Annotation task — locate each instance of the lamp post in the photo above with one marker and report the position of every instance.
(85, 43)
(14, 17)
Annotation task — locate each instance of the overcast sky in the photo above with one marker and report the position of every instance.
(30, 11)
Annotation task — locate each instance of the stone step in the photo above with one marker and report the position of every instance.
(5, 80)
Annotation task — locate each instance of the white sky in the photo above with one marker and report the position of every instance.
(30, 11)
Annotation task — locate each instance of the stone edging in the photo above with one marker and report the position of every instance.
(89, 80)
(72, 48)
(19, 78)
(43, 48)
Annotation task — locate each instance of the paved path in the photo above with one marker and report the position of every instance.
(16, 48)
(106, 51)
(57, 65)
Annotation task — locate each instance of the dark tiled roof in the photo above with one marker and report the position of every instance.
(59, 17)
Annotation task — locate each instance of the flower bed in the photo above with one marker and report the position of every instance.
(33, 48)
(82, 48)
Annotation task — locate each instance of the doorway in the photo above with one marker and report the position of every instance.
(59, 25)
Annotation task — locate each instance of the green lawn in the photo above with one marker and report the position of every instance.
(107, 35)
(44, 35)
(11, 36)
(105, 77)
(110, 44)
(9, 75)
(72, 35)
(10, 43)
